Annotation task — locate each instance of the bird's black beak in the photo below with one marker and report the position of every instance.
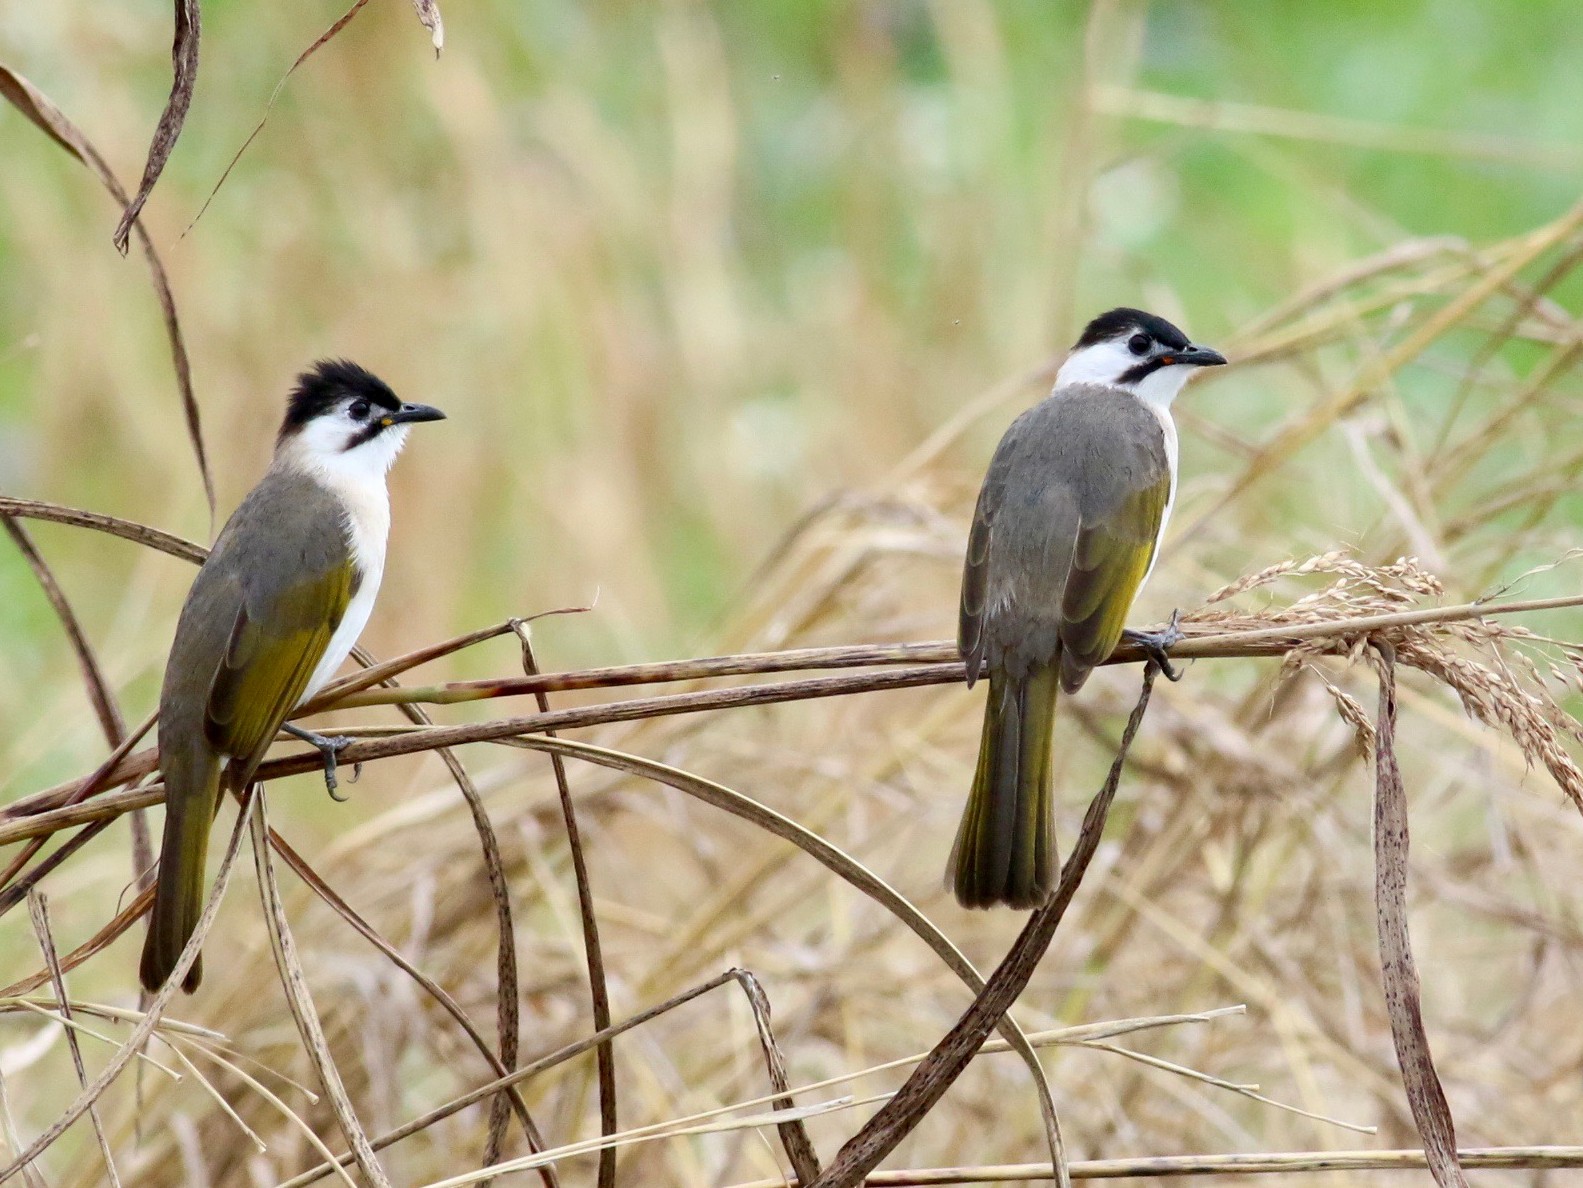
(1195, 356)
(409, 414)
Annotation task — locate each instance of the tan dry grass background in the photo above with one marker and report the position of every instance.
(1238, 869)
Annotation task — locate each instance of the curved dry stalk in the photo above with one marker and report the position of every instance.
(38, 909)
(838, 862)
(99, 695)
(1431, 1113)
(97, 943)
(184, 77)
(929, 1081)
(507, 983)
(340, 23)
(153, 538)
(53, 122)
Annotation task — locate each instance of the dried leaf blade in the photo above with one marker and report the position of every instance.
(1425, 1096)
(184, 78)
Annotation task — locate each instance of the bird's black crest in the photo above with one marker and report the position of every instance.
(1116, 322)
(328, 381)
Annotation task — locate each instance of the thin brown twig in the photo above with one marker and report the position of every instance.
(97, 943)
(153, 538)
(51, 120)
(99, 778)
(794, 1133)
(1204, 641)
(98, 689)
(100, 697)
(340, 23)
(46, 809)
(384, 671)
(13, 893)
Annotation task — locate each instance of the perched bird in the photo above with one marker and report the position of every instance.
(1067, 527)
(274, 610)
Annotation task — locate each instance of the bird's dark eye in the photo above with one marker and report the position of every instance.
(359, 410)
(1139, 344)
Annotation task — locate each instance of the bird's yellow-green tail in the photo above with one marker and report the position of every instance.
(192, 793)
(1005, 846)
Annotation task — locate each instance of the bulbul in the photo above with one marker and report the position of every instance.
(1065, 533)
(273, 612)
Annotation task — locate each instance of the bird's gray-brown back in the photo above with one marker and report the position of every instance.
(1072, 503)
(288, 529)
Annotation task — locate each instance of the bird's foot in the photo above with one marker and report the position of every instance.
(1157, 645)
(329, 746)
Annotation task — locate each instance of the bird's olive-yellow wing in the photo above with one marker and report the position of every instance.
(1110, 559)
(970, 638)
(280, 635)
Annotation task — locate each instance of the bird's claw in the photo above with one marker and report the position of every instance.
(330, 748)
(1157, 644)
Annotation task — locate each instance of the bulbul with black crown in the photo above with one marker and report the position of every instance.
(275, 609)
(1066, 531)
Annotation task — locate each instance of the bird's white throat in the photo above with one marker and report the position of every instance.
(356, 477)
(1106, 362)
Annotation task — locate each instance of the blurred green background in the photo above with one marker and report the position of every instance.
(680, 270)
(683, 271)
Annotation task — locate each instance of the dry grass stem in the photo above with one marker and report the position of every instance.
(38, 910)
(593, 952)
(155, 1007)
(1171, 1166)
